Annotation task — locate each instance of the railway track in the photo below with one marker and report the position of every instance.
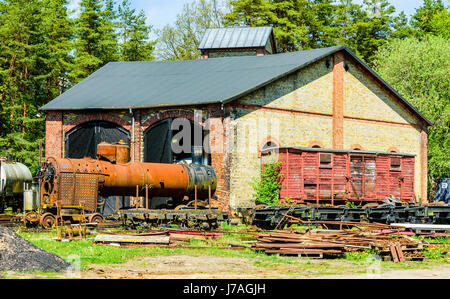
(10, 220)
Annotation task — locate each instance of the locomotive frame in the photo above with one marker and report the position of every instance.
(70, 184)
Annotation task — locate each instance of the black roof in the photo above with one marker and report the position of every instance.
(146, 84)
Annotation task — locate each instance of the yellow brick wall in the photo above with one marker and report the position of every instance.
(311, 90)
(363, 98)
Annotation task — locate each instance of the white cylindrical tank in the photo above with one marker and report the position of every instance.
(15, 178)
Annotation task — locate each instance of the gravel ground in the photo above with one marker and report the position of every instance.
(19, 255)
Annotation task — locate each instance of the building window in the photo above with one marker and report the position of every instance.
(269, 152)
(325, 160)
(396, 164)
(357, 147)
(315, 144)
(269, 147)
(393, 150)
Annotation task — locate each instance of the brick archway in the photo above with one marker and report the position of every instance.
(357, 147)
(393, 149)
(85, 118)
(175, 113)
(316, 144)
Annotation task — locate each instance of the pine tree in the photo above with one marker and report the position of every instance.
(134, 34)
(108, 43)
(56, 61)
(96, 42)
(322, 29)
(249, 13)
(291, 20)
(21, 41)
(374, 29)
(347, 15)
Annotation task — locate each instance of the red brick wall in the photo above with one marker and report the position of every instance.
(53, 134)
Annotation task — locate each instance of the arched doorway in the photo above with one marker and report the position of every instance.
(82, 140)
(174, 140)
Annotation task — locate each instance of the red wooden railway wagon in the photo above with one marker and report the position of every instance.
(334, 176)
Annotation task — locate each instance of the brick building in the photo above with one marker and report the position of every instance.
(325, 98)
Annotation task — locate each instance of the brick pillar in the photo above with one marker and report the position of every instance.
(338, 100)
(219, 155)
(53, 134)
(137, 135)
(423, 165)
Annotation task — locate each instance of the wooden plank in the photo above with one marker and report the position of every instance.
(393, 253)
(299, 245)
(132, 239)
(398, 248)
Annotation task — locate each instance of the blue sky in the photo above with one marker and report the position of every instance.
(162, 12)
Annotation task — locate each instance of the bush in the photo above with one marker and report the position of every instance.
(268, 185)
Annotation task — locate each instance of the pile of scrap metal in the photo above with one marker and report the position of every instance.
(272, 217)
(337, 243)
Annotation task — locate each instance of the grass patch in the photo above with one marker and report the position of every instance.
(352, 262)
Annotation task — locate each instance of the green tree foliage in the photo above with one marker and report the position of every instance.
(43, 51)
(373, 28)
(431, 18)
(418, 70)
(134, 34)
(180, 41)
(56, 62)
(310, 24)
(249, 13)
(96, 40)
(22, 42)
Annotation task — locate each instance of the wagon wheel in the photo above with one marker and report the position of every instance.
(96, 218)
(31, 219)
(48, 220)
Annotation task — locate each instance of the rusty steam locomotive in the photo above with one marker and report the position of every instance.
(73, 184)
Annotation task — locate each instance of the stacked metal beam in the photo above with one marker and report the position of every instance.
(332, 243)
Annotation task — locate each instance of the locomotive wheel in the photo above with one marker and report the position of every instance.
(96, 218)
(48, 220)
(31, 219)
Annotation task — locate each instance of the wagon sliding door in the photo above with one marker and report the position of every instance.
(362, 177)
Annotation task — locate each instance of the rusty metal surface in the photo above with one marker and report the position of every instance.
(115, 153)
(79, 182)
(348, 176)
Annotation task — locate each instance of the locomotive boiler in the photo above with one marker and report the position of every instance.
(15, 183)
(71, 183)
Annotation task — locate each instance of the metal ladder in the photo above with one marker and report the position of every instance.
(73, 231)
